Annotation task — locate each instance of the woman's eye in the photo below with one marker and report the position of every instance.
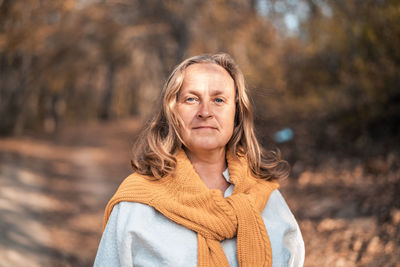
(190, 99)
(219, 100)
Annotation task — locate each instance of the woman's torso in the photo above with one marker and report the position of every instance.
(138, 235)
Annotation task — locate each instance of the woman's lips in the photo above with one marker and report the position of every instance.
(204, 127)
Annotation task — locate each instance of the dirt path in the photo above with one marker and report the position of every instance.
(349, 211)
(52, 193)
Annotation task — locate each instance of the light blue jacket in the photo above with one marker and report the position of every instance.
(138, 235)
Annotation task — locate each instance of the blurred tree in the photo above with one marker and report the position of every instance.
(349, 69)
(331, 67)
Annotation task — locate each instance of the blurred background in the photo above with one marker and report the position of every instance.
(80, 78)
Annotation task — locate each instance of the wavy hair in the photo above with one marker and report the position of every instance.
(155, 149)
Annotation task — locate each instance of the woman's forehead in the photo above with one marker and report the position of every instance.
(203, 75)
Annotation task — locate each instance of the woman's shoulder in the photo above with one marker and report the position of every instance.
(277, 205)
(135, 179)
(126, 210)
(137, 184)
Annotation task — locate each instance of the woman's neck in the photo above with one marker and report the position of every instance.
(209, 166)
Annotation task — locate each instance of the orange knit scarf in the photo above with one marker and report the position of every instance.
(185, 199)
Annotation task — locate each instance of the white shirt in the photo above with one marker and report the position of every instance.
(138, 235)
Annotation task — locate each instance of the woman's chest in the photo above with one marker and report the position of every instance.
(148, 238)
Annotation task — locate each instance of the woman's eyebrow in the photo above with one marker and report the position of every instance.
(218, 92)
(188, 92)
(192, 91)
(195, 92)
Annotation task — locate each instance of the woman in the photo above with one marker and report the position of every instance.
(202, 192)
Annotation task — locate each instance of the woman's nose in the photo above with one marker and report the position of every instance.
(204, 110)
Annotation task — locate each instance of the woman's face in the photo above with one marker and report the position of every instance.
(206, 105)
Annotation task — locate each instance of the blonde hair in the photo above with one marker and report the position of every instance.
(154, 150)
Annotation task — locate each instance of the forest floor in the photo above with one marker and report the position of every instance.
(53, 192)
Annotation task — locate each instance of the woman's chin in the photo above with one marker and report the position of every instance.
(205, 147)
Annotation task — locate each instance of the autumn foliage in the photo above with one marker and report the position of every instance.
(327, 72)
